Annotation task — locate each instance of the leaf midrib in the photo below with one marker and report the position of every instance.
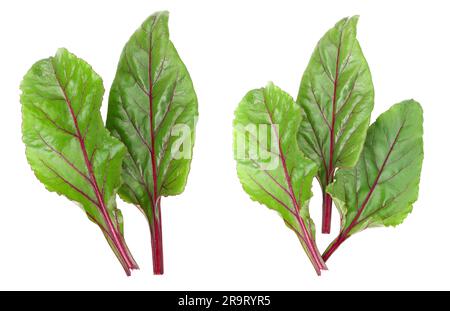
(155, 195)
(329, 174)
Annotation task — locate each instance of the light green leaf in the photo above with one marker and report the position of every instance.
(153, 111)
(381, 188)
(270, 166)
(67, 145)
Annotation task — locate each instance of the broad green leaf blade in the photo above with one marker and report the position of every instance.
(153, 110)
(270, 166)
(67, 145)
(336, 95)
(381, 188)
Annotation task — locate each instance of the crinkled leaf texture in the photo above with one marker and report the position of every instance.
(153, 111)
(67, 145)
(336, 95)
(270, 166)
(381, 188)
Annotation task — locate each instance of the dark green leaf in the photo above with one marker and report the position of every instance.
(153, 110)
(381, 188)
(336, 95)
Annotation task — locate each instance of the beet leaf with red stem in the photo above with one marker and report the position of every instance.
(68, 146)
(336, 95)
(270, 166)
(153, 110)
(381, 188)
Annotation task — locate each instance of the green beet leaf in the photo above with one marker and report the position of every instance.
(381, 188)
(67, 145)
(336, 95)
(153, 111)
(270, 166)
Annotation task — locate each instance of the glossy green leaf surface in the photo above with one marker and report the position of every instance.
(270, 166)
(336, 95)
(381, 188)
(153, 110)
(67, 145)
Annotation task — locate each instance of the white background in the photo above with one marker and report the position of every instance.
(215, 237)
